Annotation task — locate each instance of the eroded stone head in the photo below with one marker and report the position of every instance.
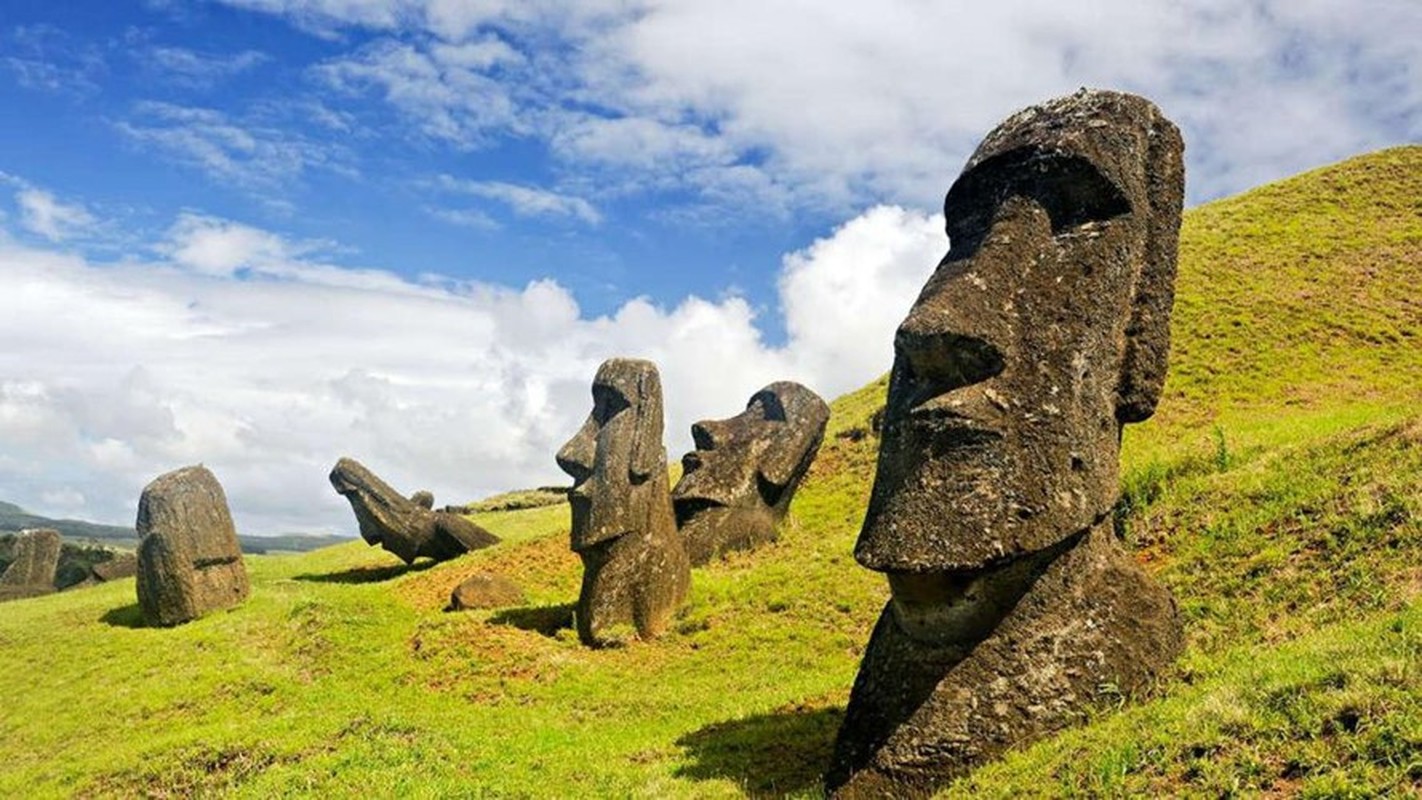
(635, 570)
(404, 526)
(616, 453)
(1043, 330)
(738, 482)
(189, 559)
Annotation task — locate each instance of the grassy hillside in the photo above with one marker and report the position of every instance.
(1278, 493)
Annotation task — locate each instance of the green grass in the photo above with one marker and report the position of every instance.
(1278, 493)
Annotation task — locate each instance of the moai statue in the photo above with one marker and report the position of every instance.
(635, 569)
(36, 562)
(1043, 331)
(737, 484)
(189, 562)
(404, 526)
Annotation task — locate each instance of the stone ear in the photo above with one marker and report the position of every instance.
(1148, 332)
(647, 451)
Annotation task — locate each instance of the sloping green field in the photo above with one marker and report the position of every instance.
(1278, 493)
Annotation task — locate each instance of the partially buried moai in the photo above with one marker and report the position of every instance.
(1044, 330)
(36, 561)
(635, 570)
(189, 561)
(407, 527)
(737, 484)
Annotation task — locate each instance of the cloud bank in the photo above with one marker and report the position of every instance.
(243, 350)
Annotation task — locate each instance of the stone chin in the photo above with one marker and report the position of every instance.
(709, 528)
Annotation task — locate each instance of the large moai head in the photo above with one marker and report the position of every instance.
(738, 482)
(616, 459)
(1042, 332)
(407, 527)
(189, 560)
(1044, 329)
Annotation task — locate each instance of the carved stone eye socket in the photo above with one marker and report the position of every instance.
(767, 406)
(1071, 189)
(607, 403)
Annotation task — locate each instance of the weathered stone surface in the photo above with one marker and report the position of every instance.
(738, 482)
(122, 565)
(635, 570)
(1042, 332)
(189, 562)
(405, 527)
(36, 560)
(485, 590)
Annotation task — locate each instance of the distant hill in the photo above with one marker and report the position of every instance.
(14, 519)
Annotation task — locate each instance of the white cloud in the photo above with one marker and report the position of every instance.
(251, 156)
(239, 348)
(844, 104)
(42, 213)
(525, 201)
(442, 89)
(202, 70)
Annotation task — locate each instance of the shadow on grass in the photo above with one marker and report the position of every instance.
(368, 574)
(767, 755)
(547, 620)
(129, 616)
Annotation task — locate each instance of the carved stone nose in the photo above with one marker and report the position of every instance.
(946, 359)
(704, 434)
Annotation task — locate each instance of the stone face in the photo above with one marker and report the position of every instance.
(36, 559)
(1044, 329)
(635, 570)
(738, 482)
(485, 590)
(405, 527)
(189, 562)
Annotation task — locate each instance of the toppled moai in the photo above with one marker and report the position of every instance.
(635, 570)
(404, 526)
(189, 561)
(737, 484)
(33, 570)
(1044, 330)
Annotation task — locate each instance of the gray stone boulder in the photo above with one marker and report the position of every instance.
(404, 526)
(738, 483)
(1044, 330)
(36, 562)
(635, 569)
(485, 590)
(189, 562)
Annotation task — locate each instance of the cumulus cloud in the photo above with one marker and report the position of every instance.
(245, 350)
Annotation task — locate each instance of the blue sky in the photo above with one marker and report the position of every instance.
(263, 234)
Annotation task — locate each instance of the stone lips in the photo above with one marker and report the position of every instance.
(404, 526)
(737, 484)
(635, 569)
(1041, 333)
(189, 561)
